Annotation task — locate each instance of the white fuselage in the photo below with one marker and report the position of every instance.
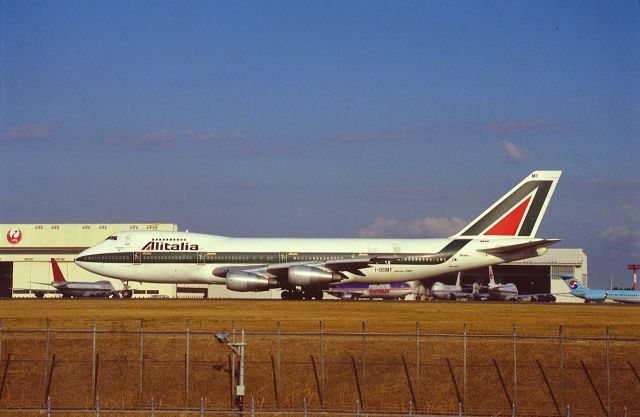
(182, 257)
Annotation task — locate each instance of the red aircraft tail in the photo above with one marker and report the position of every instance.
(57, 273)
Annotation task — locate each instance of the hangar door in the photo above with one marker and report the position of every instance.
(6, 279)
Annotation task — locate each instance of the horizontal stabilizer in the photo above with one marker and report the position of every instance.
(510, 249)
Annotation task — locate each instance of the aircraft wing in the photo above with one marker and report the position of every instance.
(352, 265)
(509, 249)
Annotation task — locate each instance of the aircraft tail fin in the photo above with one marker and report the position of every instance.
(57, 273)
(519, 212)
(458, 279)
(573, 283)
(492, 279)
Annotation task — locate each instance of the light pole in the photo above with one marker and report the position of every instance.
(238, 349)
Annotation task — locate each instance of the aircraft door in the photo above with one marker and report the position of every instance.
(201, 258)
(282, 257)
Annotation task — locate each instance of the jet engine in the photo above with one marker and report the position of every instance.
(306, 276)
(248, 281)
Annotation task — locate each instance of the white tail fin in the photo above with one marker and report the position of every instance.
(519, 212)
(458, 279)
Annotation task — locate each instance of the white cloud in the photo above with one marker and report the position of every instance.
(425, 227)
(514, 153)
(519, 126)
(27, 132)
(167, 136)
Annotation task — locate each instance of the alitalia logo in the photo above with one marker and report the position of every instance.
(169, 246)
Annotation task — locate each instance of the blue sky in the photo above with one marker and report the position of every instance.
(394, 119)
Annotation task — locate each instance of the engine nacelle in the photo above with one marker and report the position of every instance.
(306, 276)
(248, 281)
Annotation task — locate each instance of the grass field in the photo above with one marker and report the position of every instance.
(331, 372)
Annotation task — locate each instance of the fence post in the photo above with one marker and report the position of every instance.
(152, 408)
(305, 406)
(46, 359)
(97, 406)
(322, 363)
(561, 343)
(201, 406)
(93, 366)
(278, 363)
(186, 365)
(410, 407)
(49, 406)
(515, 369)
(364, 360)
(357, 408)
(464, 370)
(608, 372)
(141, 357)
(417, 362)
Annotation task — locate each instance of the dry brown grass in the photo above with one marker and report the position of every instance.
(383, 372)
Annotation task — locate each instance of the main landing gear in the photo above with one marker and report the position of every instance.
(126, 291)
(304, 294)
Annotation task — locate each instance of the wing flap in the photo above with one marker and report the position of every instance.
(510, 249)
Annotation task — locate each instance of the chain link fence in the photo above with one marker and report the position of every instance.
(136, 369)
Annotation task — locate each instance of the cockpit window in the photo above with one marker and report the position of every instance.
(114, 237)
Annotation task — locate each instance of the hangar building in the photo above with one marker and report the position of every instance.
(26, 251)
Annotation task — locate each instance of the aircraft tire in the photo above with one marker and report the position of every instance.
(127, 294)
(39, 294)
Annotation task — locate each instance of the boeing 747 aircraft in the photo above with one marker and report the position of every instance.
(303, 268)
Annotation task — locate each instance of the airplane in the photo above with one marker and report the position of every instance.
(441, 291)
(392, 291)
(501, 292)
(75, 288)
(599, 296)
(303, 268)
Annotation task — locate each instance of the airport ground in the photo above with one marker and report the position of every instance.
(383, 373)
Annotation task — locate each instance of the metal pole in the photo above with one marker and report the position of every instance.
(515, 369)
(322, 361)
(152, 408)
(49, 406)
(141, 357)
(278, 359)
(418, 359)
(358, 408)
(561, 342)
(464, 370)
(608, 373)
(364, 360)
(253, 408)
(305, 406)
(201, 406)
(46, 359)
(242, 345)
(233, 360)
(93, 368)
(97, 406)
(186, 366)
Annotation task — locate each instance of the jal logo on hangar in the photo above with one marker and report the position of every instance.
(14, 235)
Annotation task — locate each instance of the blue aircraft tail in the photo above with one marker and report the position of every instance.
(573, 283)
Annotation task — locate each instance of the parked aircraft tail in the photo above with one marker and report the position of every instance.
(519, 212)
(57, 273)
